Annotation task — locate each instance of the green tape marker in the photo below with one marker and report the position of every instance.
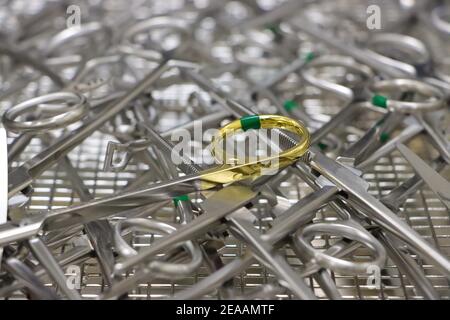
(379, 101)
(384, 137)
(184, 197)
(274, 28)
(250, 122)
(288, 105)
(322, 146)
(310, 56)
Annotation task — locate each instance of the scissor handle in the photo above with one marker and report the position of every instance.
(94, 63)
(406, 44)
(228, 173)
(242, 56)
(349, 230)
(438, 21)
(92, 67)
(83, 31)
(168, 269)
(336, 61)
(62, 115)
(435, 98)
(128, 45)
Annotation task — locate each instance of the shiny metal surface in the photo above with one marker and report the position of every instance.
(100, 191)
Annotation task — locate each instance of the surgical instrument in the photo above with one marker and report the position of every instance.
(439, 185)
(351, 199)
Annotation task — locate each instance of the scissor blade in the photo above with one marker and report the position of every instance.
(435, 181)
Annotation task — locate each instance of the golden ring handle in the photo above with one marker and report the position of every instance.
(227, 173)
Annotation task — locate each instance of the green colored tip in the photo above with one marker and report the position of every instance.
(184, 197)
(310, 56)
(384, 137)
(288, 105)
(379, 101)
(274, 28)
(250, 122)
(322, 146)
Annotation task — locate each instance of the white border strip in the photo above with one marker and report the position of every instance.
(3, 179)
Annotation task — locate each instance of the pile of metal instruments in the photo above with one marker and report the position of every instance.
(116, 176)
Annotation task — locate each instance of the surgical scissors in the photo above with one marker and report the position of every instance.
(207, 179)
(133, 77)
(341, 176)
(23, 175)
(300, 290)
